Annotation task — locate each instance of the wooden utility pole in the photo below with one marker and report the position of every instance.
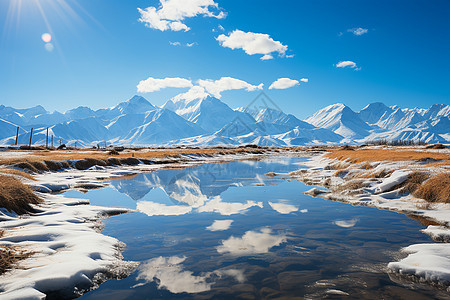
(17, 134)
(31, 135)
(46, 139)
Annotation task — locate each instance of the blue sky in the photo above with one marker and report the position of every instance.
(101, 51)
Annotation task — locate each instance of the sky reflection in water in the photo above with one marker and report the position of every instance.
(227, 230)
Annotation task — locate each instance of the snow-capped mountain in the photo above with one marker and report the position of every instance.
(208, 112)
(377, 121)
(373, 112)
(162, 125)
(341, 120)
(198, 119)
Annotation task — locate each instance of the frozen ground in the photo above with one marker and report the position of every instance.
(424, 262)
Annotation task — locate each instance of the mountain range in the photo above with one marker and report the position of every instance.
(204, 120)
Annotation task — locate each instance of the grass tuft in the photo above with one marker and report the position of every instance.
(26, 166)
(415, 179)
(340, 173)
(130, 161)
(16, 196)
(86, 163)
(17, 173)
(435, 189)
(9, 256)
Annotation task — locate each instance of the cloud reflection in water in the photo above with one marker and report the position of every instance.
(252, 242)
(168, 273)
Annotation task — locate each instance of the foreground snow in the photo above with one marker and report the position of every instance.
(69, 254)
(424, 262)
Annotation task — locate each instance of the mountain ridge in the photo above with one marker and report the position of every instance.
(198, 119)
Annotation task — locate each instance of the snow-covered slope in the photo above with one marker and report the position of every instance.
(160, 126)
(377, 121)
(8, 129)
(373, 112)
(208, 112)
(196, 118)
(342, 120)
(135, 105)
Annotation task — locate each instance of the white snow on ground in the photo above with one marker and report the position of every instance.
(438, 233)
(397, 177)
(427, 262)
(69, 252)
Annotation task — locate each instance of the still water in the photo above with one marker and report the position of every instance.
(229, 231)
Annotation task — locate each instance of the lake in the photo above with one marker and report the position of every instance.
(226, 230)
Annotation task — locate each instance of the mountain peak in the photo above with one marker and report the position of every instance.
(373, 112)
(137, 99)
(194, 93)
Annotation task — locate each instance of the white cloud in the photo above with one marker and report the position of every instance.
(220, 225)
(215, 87)
(358, 31)
(252, 43)
(304, 80)
(252, 242)
(187, 44)
(171, 13)
(347, 63)
(283, 83)
(195, 92)
(155, 84)
(266, 57)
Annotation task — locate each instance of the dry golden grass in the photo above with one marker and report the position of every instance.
(17, 173)
(86, 163)
(340, 173)
(16, 196)
(46, 155)
(336, 166)
(415, 179)
(351, 187)
(370, 155)
(379, 174)
(367, 166)
(9, 256)
(435, 189)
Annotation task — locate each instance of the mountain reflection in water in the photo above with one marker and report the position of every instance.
(226, 230)
(199, 188)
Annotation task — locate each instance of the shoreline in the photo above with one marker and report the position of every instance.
(106, 261)
(70, 255)
(424, 263)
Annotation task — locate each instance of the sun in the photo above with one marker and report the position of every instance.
(59, 11)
